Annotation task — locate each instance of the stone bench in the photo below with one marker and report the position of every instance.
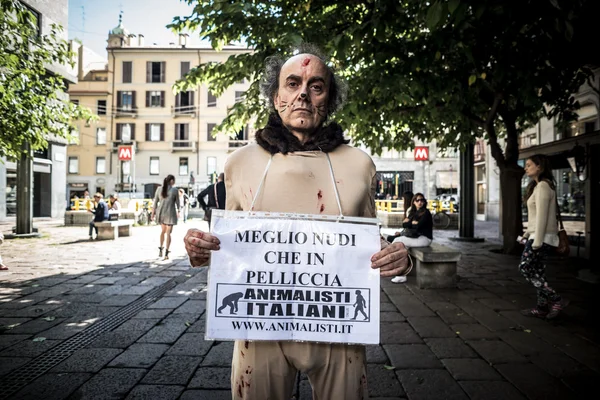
(434, 266)
(110, 230)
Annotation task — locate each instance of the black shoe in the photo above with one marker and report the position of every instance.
(166, 255)
(160, 249)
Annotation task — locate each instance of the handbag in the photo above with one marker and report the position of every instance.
(563, 248)
(410, 232)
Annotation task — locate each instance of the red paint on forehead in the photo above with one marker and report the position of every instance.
(306, 62)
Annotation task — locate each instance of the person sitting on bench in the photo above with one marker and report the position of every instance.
(100, 213)
(418, 228)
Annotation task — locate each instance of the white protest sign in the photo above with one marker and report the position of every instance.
(297, 279)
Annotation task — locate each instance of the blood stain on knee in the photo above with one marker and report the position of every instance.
(243, 355)
(239, 388)
(246, 344)
(249, 370)
(319, 195)
(322, 208)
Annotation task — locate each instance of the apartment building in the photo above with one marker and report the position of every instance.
(145, 131)
(88, 153)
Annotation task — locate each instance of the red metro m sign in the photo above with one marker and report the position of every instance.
(125, 153)
(421, 153)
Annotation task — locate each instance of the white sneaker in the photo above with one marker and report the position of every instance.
(399, 279)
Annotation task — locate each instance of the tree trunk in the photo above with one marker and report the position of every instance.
(510, 195)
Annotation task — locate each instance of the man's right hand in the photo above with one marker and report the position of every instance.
(198, 245)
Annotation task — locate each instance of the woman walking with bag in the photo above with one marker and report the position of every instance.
(166, 210)
(540, 237)
(418, 228)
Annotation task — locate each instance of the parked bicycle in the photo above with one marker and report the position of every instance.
(441, 220)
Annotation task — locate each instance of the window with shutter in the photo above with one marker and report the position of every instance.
(100, 165)
(155, 71)
(125, 101)
(126, 133)
(182, 131)
(209, 129)
(155, 132)
(119, 131)
(183, 166)
(100, 135)
(155, 98)
(185, 68)
(154, 166)
(101, 106)
(73, 165)
(127, 71)
(211, 100)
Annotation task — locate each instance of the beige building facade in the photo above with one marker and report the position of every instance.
(167, 133)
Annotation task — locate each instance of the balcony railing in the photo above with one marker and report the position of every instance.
(125, 111)
(117, 143)
(234, 144)
(183, 111)
(183, 145)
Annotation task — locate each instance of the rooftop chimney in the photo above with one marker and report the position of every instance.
(140, 40)
(183, 39)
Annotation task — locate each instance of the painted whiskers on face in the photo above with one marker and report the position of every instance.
(321, 110)
(284, 106)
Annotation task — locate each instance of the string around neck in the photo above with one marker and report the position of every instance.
(335, 188)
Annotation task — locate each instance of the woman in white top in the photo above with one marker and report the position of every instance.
(541, 236)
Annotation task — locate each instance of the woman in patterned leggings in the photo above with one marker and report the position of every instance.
(541, 236)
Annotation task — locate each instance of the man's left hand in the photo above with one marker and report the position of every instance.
(391, 261)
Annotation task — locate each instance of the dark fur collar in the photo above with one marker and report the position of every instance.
(275, 138)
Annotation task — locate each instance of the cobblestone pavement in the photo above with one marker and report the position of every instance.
(112, 321)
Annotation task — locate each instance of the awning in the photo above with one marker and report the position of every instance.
(446, 179)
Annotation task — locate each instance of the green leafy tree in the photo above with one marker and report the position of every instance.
(33, 105)
(445, 70)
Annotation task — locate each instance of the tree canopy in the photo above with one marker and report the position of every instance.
(431, 70)
(444, 70)
(33, 102)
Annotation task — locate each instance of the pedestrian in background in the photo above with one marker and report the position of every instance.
(100, 212)
(115, 204)
(216, 197)
(165, 212)
(184, 203)
(540, 237)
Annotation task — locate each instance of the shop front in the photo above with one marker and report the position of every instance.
(392, 184)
